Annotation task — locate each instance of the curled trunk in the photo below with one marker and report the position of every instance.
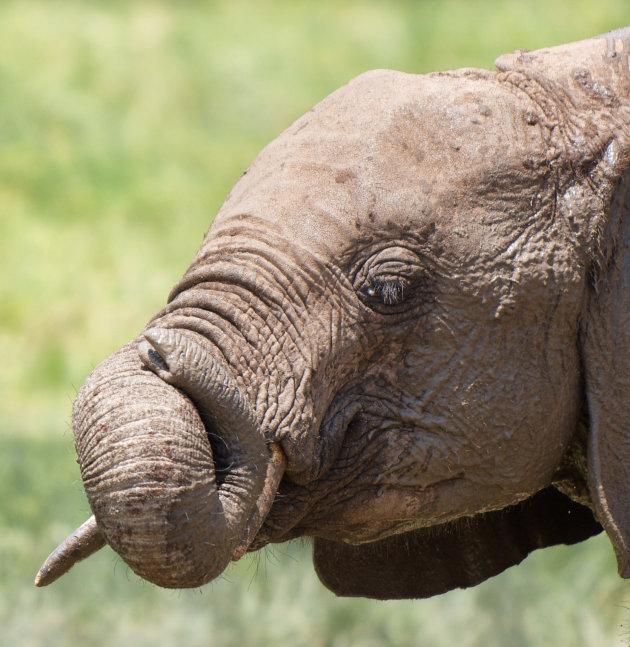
(147, 461)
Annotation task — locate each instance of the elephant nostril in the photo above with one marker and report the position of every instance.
(152, 360)
(157, 360)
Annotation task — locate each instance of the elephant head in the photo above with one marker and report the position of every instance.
(406, 334)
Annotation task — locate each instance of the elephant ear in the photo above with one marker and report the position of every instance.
(458, 554)
(584, 90)
(605, 341)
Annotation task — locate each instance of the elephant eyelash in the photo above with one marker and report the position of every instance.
(390, 291)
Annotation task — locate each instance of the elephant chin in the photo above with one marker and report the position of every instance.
(147, 462)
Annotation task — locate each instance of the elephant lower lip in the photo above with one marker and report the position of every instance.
(275, 470)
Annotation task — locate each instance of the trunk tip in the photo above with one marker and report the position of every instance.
(83, 542)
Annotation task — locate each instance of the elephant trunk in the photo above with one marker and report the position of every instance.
(146, 455)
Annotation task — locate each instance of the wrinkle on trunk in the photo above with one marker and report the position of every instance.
(149, 472)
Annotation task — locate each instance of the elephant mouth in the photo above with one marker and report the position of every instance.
(275, 471)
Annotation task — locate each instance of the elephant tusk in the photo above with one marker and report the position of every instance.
(275, 470)
(82, 543)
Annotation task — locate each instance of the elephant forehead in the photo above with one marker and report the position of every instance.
(393, 148)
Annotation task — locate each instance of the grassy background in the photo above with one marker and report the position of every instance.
(122, 127)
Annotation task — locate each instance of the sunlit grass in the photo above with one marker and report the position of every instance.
(122, 127)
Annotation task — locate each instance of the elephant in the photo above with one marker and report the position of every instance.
(406, 335)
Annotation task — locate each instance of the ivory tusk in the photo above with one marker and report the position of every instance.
(275, 470)
(82, 543)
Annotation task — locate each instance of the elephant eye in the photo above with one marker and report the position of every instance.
(390, 292)
(387, 280)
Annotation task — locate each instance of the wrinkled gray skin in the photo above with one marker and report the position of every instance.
(419, 292)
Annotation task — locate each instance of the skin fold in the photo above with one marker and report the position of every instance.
(408, 323)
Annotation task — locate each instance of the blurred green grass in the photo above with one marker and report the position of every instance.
(122, 127)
